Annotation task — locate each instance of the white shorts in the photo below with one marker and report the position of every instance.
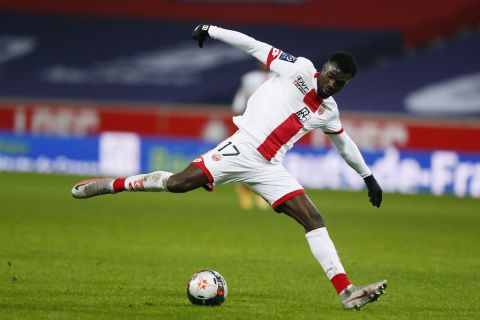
(236, 160)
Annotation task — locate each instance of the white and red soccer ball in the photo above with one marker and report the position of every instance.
(207, 287)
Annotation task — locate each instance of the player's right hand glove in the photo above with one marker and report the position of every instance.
(374, 191)
(200, 34)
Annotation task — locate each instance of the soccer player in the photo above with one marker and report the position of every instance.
(295, 101)
(250, 82)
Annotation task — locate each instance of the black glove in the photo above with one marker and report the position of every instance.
(200, 34)
(374, 191)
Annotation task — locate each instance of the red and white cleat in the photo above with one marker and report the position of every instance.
(356, 297)
(92, 187)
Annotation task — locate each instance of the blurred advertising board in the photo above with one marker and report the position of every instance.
(28, 153)
(83, 119)
(120, 154)
(370, 132)
(111, 153)
(437, 172)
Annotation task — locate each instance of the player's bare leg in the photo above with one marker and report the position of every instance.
(189, 179)
(305, 213)
(302, 209)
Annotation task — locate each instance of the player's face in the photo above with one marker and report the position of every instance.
(331, 80)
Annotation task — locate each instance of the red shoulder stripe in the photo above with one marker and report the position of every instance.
(272, 55)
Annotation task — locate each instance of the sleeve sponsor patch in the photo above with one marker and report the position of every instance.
(287, 57)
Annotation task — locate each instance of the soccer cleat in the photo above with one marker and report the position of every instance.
(92, 187)
(356, 297)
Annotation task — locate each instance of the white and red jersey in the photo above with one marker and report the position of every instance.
(286, 107)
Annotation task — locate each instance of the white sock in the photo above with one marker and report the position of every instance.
(324, 251)
(153, 181)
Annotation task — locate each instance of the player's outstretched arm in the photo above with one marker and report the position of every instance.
(273, 58)
(351, 154)
(236, 39)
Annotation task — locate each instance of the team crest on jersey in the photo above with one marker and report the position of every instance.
(217, 157)
(287, 57)
(274, 52)
(301, 85)
(272, 55)
(303, 115)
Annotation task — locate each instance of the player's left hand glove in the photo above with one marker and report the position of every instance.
(200, 34)
(374, 191)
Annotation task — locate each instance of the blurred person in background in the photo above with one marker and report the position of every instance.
(249, 83)
(294, 101)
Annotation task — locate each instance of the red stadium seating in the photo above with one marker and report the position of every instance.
(419, 20)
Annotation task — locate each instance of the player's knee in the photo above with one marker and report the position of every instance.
(314, 221)
(179, 184)
(309, 218)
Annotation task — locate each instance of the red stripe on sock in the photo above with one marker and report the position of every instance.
(340, 282)
(119, 185)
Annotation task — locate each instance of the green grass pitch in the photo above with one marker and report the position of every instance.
(129, 256)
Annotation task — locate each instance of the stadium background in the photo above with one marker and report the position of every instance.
(80, 71)
(93, 88)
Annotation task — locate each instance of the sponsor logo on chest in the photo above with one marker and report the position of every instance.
(301, 85)
(304, 114)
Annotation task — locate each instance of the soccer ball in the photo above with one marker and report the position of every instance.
(207, 287)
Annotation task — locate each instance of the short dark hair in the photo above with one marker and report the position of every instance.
(345, 60)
